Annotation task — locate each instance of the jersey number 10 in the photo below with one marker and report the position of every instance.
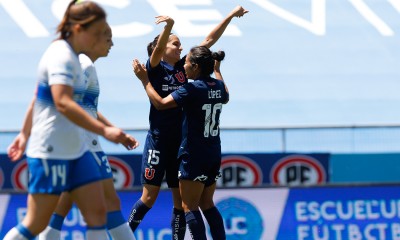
(211, 125)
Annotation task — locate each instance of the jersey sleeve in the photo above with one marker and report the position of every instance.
(154, 73)
(182, 95)
(62, 69)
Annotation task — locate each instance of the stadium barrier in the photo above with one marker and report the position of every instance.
(301, 213)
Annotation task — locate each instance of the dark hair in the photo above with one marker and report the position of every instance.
(83, 13)
(205, 59)
(153, 44)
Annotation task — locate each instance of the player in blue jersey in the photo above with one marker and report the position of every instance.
(58, 156)
(166, 74)
(200, 150)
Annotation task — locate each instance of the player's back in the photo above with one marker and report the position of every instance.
(203, 109)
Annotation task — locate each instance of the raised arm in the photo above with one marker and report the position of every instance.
(217, 70)
(217, 32)
(218, 74)
(162, 41)
(158, 102)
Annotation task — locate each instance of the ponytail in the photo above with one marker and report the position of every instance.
(64, 26)
(79, 12)
(205, 59)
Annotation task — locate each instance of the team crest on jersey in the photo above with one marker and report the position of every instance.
(180, 76)
(149, 173)
(20, 176)
(122, 173)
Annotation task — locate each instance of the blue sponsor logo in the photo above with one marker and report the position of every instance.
(241, 219)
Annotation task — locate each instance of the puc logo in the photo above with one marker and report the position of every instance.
(239, 171)
(122, 173)
(241, 219)
(295, 170)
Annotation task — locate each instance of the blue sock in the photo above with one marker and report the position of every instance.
(115, 219)
(56, 221)
(25, 232)
(196, 225)
(178, 224)
(216, 223)
(137, 214)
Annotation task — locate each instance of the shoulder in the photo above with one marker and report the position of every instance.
(59, 51)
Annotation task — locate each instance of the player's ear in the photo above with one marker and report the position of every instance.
(76, 28)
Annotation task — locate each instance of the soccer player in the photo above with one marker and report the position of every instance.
(116, 223)
(200, 150)
(166, 74)
(58, 156)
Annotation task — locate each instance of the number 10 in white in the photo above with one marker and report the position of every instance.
(211, 126)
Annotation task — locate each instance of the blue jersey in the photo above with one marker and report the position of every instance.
(202, 103)
(165, 79)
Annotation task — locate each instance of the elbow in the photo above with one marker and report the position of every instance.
(61, 106)
(160, 106)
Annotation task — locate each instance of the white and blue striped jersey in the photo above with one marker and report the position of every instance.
(90, 100)
(53, 136)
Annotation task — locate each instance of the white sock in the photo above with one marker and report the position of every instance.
(122, 232)
(96, 234)
(14, 234)
(50, 234)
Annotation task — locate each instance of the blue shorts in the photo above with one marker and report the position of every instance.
(203, 167)
(160, 157)
(105, 168)
(51, 176)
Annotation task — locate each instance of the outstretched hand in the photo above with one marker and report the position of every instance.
(239, 11)
(130, 142)
(140, 70)
(166, 19)
(17, 148)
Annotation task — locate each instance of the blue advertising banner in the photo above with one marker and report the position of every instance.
(312, 213)
(238, 170)
(341, 213)
(156, 225)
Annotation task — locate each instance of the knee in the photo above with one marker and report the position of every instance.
(96, 216)
(149, 199)
(113, 203)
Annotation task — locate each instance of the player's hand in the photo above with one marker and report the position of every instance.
(166, 19)
(130, 142)
(239, 11)
(114, 134)
(17, 148)
(140, 71)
